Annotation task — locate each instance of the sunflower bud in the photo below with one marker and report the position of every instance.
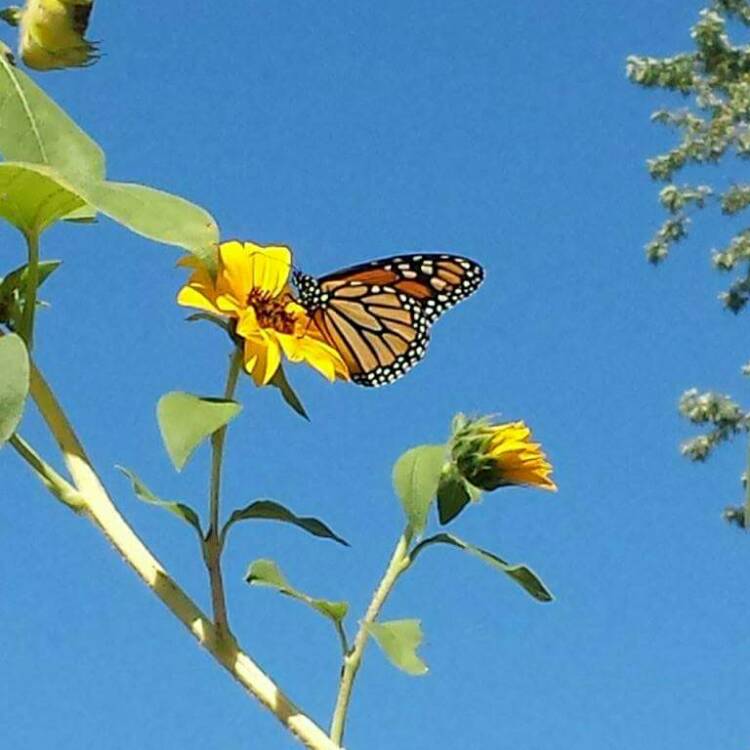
(52, 33)
(490, 455)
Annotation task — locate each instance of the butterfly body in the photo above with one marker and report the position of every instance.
(377, 315)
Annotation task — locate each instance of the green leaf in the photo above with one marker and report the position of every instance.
(521, 574)
(267, 573)
(155, 214)
(35, 196)
(185, 512)
(273, 511)
(453, 495)
(287, 392)
(36, 130)
(415, 478)
(399, 640)
(186, 421)
(14, 383)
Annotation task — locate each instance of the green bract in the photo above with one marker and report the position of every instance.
(454, 493)
(279, 380)
(13, 291)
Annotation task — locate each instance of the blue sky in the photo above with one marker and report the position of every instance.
(352, 130)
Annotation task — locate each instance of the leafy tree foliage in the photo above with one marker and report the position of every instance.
(712, 127)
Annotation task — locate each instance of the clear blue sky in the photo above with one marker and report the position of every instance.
(505, 131)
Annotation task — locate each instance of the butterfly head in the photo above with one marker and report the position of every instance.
(308, 289)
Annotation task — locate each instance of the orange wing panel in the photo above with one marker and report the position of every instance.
(414, 288)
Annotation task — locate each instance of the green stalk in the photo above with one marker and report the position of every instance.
(399, 562)
(29, 308)
(212, 546)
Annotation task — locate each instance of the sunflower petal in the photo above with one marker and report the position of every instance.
(199, 291)
(264, 352)
(269, 267)
(235, 278)
(319, 355)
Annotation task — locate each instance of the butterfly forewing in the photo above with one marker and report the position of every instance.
(377, 315)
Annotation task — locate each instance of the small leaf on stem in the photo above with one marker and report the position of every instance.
(185, 512)
(521, 574)
(399, 640)
(273, 511)
(268, 573)
(186, 421)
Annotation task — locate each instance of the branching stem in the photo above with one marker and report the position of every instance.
(101, 511)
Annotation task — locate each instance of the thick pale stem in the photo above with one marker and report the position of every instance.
(32, 282)
(398, 564)
(102, 512)
(212, 547)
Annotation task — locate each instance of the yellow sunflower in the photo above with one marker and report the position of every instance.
(251, 290)
(498, 455)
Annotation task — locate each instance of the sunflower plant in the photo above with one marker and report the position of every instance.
(55, 173)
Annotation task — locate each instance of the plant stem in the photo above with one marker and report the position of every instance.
(398, 564)
(342, 638)
(212, 546)
(101, 511)
(29, 306)
(56, 484)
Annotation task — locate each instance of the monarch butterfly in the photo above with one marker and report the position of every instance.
(377, 315)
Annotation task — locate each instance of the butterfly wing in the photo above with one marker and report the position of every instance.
(377, 315)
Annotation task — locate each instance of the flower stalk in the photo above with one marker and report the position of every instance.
(29, 308)
(398, 564)
(212, 545)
